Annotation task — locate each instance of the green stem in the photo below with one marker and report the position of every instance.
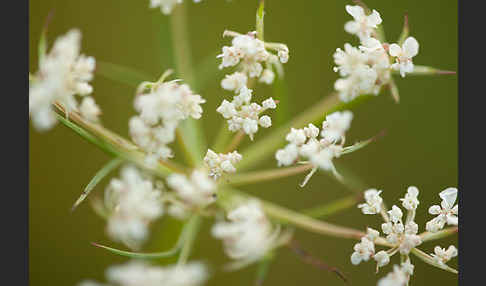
(267, 175)
(222, 138)
(112, 143)
(193, 226)
(191, 135)
(235, 142)
(427, 236)
(333, 207)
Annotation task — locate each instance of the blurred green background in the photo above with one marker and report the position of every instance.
(420, 146)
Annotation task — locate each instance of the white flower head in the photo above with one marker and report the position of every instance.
(442, 256)
(198, 189)
(362, 251)
(62, 74)
(139, 273)
(410, 201)
(160, 111)
(363, 25)
(336, 125)
(404, 55)
(373, 202)
(447, 212)
(132, 203)
(221, 163)
(166, 6)
(248, 235)
(397, 277)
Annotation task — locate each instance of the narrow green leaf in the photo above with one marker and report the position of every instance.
(405, 31)
(171, 252)
(281, 93)
(332, 207)
(121, 74)
(259, 20)
(426, 70)
(42, 48)
(206, 71)
(263, 267)
(358, 145)
(86, 135)
(110, 166)
(222, 138)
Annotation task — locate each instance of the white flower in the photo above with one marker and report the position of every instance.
(311, 131)
(296, 136)
(409, 241)
(363, 25)
(221, 163)
(269, 103)
(395, 214)
(397, 277)
(267, 76)
(197, 190)
(242, 114)
(442, 256)
(234, 81)
(349, 59)
(288, 155)
(160, 111)
(265, 121)
(336, 125)
(410, 201)
(446, 213)
(361, 81)
(404, 55)
(362, 251)
(89, 109)
(227, 109)
(407, 267)
(382, 258)
(372, 234)
(139, 273)
(248, 235)
(132, 203)
(373, 202)
(62, 74)
(250, 54)
(166, 6)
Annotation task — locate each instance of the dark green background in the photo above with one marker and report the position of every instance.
(420, 146)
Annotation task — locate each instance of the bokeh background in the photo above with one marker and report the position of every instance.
(420, 146)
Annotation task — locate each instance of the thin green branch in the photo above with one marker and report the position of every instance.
(428, 236)
(266, 175)
(193, 227)
(112, 143)
(190, 129)
(103, 172)
(332, 207)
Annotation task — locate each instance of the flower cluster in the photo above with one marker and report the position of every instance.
(400, 235)
(321, 151)
(139, 273)
(131, 203)
(221, 163)
(248, 235)
(166, 6)
(249, 53)
(196, 190)
(242, 114)
(364, 70)
(63, 73)
(445, 213)
(160, 111)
